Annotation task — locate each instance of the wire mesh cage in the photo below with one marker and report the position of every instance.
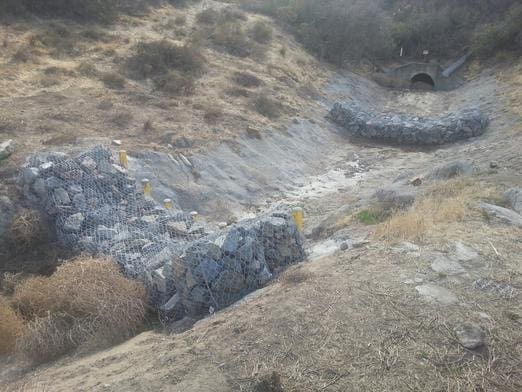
(188, 266)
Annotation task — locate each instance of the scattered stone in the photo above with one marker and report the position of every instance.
(465, 253)
(6, 149)
(395, 196)
(74, 223)
(407, 247)
(116, 142)
(61, 197)
(493, 165)
(502, 214)
(452, 170)
(403, 129)
(443, 265)
(514, 199)
(343, 246)
(501, 289)
(416, 181)
(437, 294)
(470, 336)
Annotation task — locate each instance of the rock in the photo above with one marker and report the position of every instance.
(437, 294)
(470, 336)
(451, 170)
(502, 214)
(172, 310)
(74, 223)
(493, 165)
(116, 142)
(395, 196)
(30, 174)
(514, 199)
(6, 149)
(407, 247)
(465, 253)
(343, 246)
(61, 197)
(177, 229)
(443, 265)
(404, 177)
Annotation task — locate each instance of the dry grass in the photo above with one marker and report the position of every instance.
(86, 303)
(441, 204)
(26, 230)
(11, 327)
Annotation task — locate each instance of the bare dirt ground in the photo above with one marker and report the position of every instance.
(352, 320)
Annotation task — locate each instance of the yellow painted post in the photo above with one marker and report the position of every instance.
(167, 203)
(124, 160)
(147, 187)
(298, 216)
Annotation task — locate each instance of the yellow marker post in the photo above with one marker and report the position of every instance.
(298, 216)
(124, 160)
(167, 203)
(147, 187)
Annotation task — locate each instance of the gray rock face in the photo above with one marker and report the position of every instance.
(502, 214)
(6, 149)
(396, 196)
(514, 198)
(470, 336)
(96, 207)
(443, 265)
(403, 129)
(452, 170)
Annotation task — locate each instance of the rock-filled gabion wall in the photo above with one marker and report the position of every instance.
(404, 129)
(95, 207)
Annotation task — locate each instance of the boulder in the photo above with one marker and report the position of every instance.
(6, 149)
(452, 170)
(470, 336)
(502, 215)
(514, 199)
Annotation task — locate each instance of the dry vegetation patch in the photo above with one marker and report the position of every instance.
(86, 303)
(442, 204)
(11, 327)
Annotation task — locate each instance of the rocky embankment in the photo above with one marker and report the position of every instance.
(94, 206)
(405, 129)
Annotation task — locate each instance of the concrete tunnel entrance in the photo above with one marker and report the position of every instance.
(423, 81)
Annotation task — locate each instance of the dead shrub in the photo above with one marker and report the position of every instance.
(87, 69)
(267, 106)
(148, 125)
(159, 57)
(24, 54)
(246, 79)
(232, 37)
(113, 80)
(261, 32)
(212, 115)
(175, 83)
(237, 92)
(208, 16)
(26, 230)
(11, 327)
(87, 303)
(122, 119)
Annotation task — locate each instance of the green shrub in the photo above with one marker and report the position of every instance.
(368, 217)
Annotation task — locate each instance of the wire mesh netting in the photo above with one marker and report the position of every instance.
(189, 267)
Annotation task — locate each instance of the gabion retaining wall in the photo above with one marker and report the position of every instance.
(404, 129)
(95, 207)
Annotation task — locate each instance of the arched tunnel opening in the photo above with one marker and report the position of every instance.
(423, 81)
